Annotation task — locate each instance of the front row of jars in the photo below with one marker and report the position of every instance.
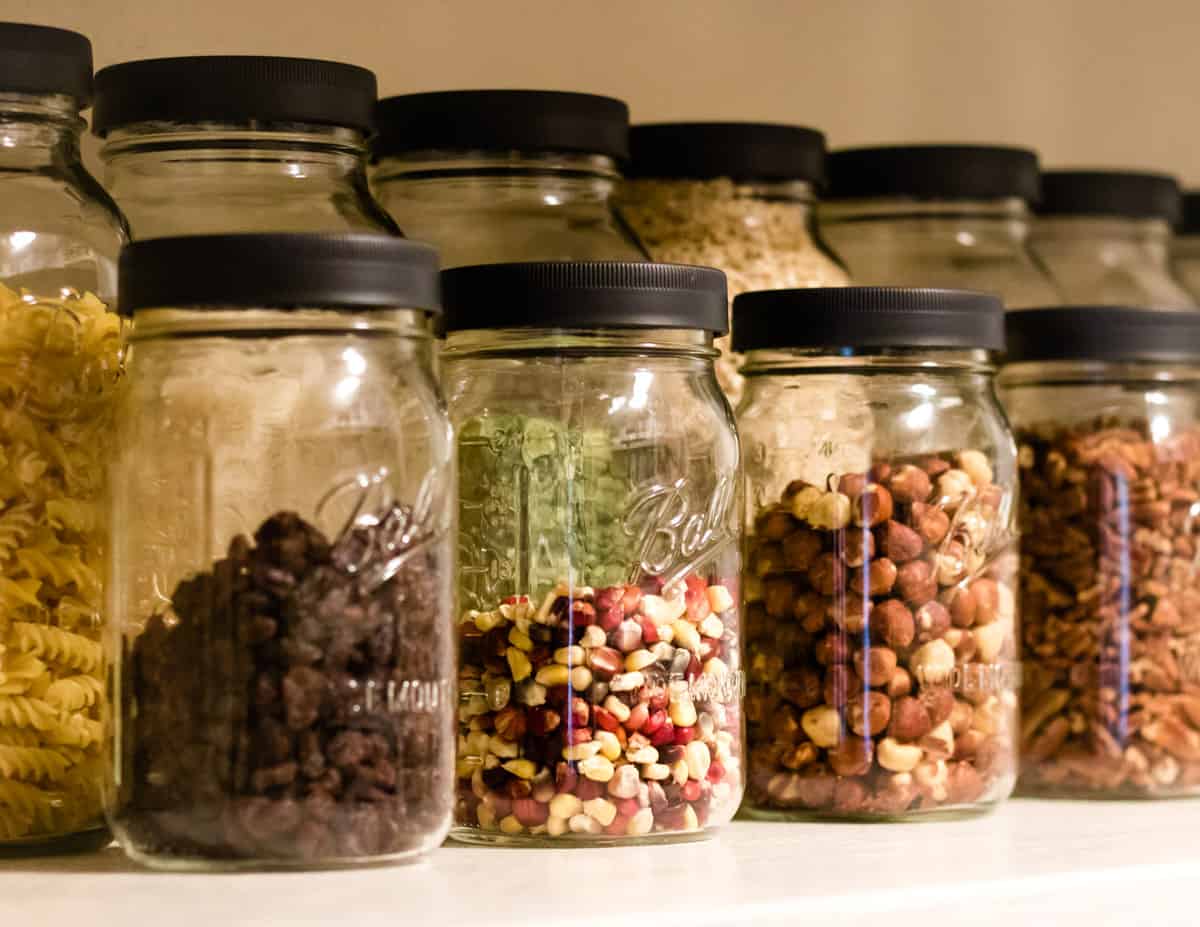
(655, 619)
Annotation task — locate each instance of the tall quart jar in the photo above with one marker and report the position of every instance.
(937, 216)
(1105, 237)
(60, 353)
(490, 176)
(1106, 406)
(599, 675)
(285, 656)
(226, 144)
(881, 640)
(1185, 246)
(733, 195)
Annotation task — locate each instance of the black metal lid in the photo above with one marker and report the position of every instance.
(502, 120)
(882, 317)
(952, 172)
(585, 295)
(233, 88)
(1132, 194)
(745, 151)
(1189, 222)
(1106, 333)
(278, 271)
(39, 59)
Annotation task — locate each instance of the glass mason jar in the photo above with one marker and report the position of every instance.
(494, 176)
(599, 674)
(1185, 246)
(881, 644)
(60, 353)
(283, 540)
(736, 196)
(937, 216)
(226, 144)
(1106, 406)
(1105, 237)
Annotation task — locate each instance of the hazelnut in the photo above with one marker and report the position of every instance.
(873, 507)
(822, 725)
(953, 488)
(784, 725)
(965, 785)
(975, 465)
(938, 702)
(967, 744)
(892, 623)
(910, 484)
(880, 472)
(831, 512)
(767, 559)
(961, 602)
(877, 577)
(778, 593)
(910, 720)
(860, 547)
(831, 649)
(827, 574)
(933, 466)
(916, 583)
(852, 484)
(848, 615)
(960, 717)
(898, 757)
(851, 757)
(930, 522)
(900, 684)
(801, 687)
(989, 640)
(952, 564)
(775, 525)
(932, 621)
(963, 643)
(898, 542)
(869, 714)
(802, 500)
(932, 663)
(939, 742)
(849, 794)
(986, 593)
(800, 548)
(838, 682)
(875, 665)
(798, 756)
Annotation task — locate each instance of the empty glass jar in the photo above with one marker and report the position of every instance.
(223, 143)
(282, 555)
(734, 195)
(1106, 406)
(1105, 237)
(60, 355)
(937, 216)
(599, 675)
(505, 175)
(881, 638)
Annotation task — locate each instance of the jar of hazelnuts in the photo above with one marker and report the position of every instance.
(881, 641)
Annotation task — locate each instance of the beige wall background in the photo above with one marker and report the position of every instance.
(1086, 82)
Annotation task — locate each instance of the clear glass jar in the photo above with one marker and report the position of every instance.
(1105, 237)
(937, 216)
(1106, 404)
(737, 196)
(60, 352)
(1185, 246)
(271, 157)
(283, 498)
(508, 175)
(880, 635)
(599, 674)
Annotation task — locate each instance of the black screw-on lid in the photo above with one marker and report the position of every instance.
(863, 317)
(1102, 333)
(1189, 222)
(952, 172)
(502, 120)
(1132, 194)
(278, 271)
(233, 88)
(744, 151)
(585, 295)
(39, 59)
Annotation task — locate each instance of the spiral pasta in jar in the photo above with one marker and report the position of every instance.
(59, 366)
(878, 593)
(599, 668)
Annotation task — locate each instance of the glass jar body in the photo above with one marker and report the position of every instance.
(59, 240)
(1108, 260)
(1185, 263)
(600, 670)
(283, 562)
(481, 207)
(217, 178)
(879, 594)
(1110, 470)
(970, 245)
(762, 235)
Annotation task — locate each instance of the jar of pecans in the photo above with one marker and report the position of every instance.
(880, 559)
(282, 555)
(1105, 402)
(600, 675)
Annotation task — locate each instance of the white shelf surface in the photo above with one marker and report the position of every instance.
(1029, 863)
